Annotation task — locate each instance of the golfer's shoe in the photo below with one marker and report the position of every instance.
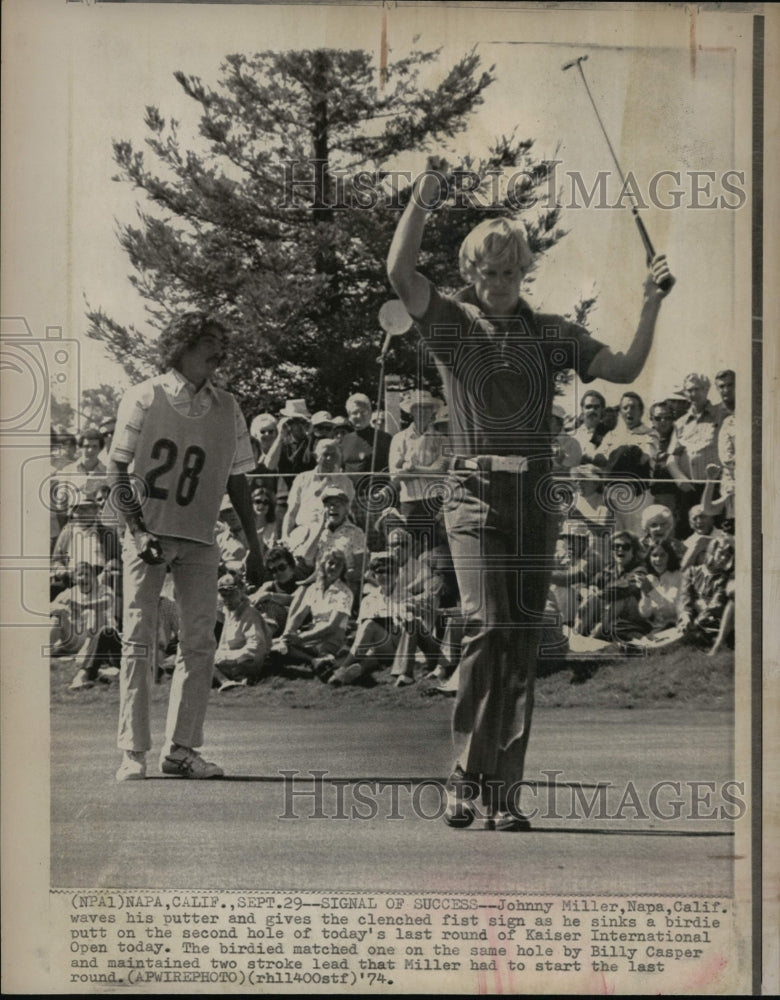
(185, 763)
(509, 821)
(133, 766)
(81, 681)
(461, 793)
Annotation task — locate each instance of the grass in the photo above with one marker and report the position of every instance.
(682, 678)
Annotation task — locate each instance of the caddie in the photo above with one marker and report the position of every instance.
(180, 442)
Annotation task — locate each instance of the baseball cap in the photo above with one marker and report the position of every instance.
(334, 493)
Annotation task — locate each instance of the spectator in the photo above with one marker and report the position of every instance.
(661, 586)
(707, 597)
(631, 446)
(696, 545)
(106, 428)
(266, 443)
(589, 506)
(321, 426)
(305, 516)
(319, 613)
(64, 448)
(83, 539)
(274, 598)
(697, 430)
(658, 525)
(670, 468)
(417, 461)
(566, 451)
(590, 431)
(724, 505)
(577, 565)
(366, 452)
(294, 456)
(338, 532)
(230, 535)
(614, 597)
(84, 626)
(725, 383)
(244, 642)
(341, 427)
(267, 527)
(88, 463)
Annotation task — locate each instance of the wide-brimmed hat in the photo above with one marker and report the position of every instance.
(296, 408)
(321, 417)
(421, 397)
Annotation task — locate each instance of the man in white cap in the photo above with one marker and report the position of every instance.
(294, 424)
(417, 464)
(338, 532)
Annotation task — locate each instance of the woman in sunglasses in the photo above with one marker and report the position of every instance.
(266, 525)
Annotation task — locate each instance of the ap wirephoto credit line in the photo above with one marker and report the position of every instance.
(382, 504)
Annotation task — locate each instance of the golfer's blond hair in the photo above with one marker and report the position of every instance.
(495, 240)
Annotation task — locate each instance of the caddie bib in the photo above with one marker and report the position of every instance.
(184, 464)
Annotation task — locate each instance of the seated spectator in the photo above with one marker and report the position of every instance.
(631, 446)
(305, 515)
(266, 443)
(658, 526)
(268, 528)
(589, 507)
(83, 625)
(274, 597)
(577, 565)
(417, 463)
(661, 587)
(244, 642)
(83, 539)
(695, 545)
(613, 601)
(338, 532)
(319, 613)
(707, 597)
(230, 535)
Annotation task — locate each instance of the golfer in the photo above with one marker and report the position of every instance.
(498, 359)
(186, 441)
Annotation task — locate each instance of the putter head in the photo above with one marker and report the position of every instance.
(574, 62)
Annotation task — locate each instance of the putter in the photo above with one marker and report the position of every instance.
(667, 283)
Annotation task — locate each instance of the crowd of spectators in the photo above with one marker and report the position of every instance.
(357, 573)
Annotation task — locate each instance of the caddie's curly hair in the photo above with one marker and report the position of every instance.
(183, 332)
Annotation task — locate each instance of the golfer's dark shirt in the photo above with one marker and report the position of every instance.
(499, 372)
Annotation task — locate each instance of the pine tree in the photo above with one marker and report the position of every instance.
(280, 216)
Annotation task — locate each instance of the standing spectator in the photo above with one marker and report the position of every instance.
(697, 430)
(294, 455)
(244, 641)
(566, 450)
(670, 468)
(64, 450)
(725, 470)
(84, 626)
(187, 440)
(106, 428)
(498, 361)
(590, 432)
(320, 427)
(82, 539)
(266, 443)
(366, 452)
(725, 383)
(305, 515)
(417, 463)
(631, 446)
(341, 427)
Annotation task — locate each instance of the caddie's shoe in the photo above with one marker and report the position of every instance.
(108, 674)
(133, 766)
(403, 680)
(81, 681)
(187, 763)
(507, 821)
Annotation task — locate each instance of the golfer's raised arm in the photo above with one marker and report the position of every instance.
(410, 286)
(623, 368)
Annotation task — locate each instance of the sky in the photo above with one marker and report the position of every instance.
(82, 74)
